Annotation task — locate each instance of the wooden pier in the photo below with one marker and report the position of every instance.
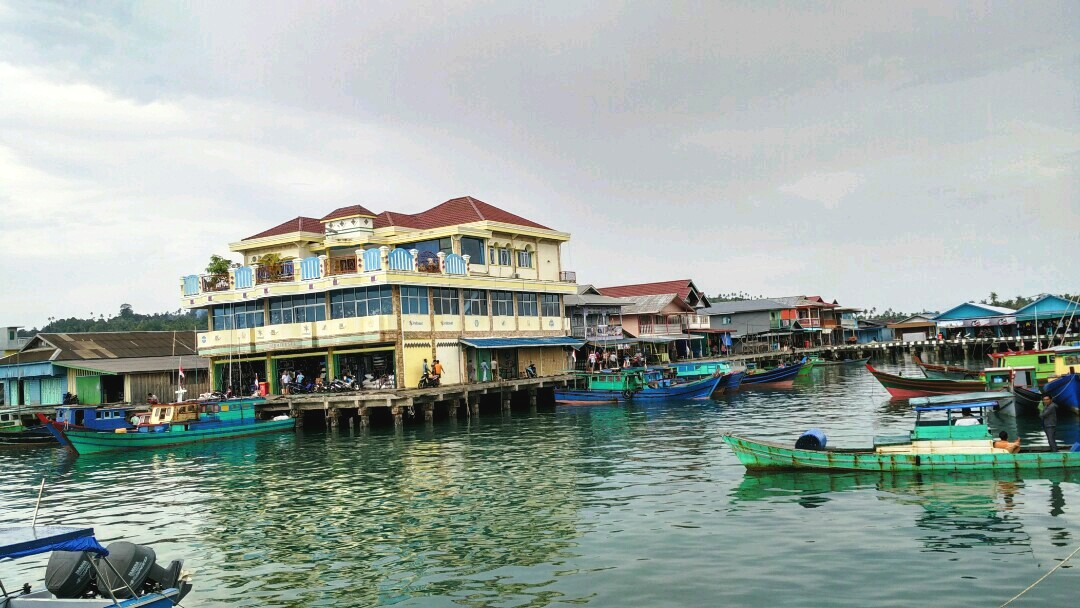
(359, 408)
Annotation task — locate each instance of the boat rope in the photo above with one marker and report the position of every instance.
(1042, 578)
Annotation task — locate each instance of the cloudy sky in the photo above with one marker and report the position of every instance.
(905, 156)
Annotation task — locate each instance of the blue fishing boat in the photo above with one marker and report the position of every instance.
(634, 385)
(780, 377)
(83, 574)
(171, 424)
(731, 382)
(97, 417)
(697, 370)
(1065, 391)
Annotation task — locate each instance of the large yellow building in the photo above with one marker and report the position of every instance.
(372, 294)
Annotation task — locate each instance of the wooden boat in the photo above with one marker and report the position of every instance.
(946, 372)
(1003, 398)
(1065, 391)
(780, 377)
(1043, 361)
(933, 445)
(732, 377)
(22, 429)
(634, 385)
(84, 574)
(825, 362)
(905, 388)
(171, 424)
(731, 383)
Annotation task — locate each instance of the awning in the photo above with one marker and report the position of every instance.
(522, 342)
(711, 331)
(136, 364)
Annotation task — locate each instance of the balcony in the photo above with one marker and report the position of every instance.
(595, 332)
(697, 322)
(568, 276)
(214, 282)
(661, 329)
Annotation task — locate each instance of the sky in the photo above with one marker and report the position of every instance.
(890, 155)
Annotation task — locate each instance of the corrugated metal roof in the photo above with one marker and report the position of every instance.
(145, 364)
(522, 342)
(594, 300)
(96, 346)
(653, 304)
(727, 308)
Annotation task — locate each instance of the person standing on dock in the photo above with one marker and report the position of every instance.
(1048, 413)
(494, 368)
(483, 371)
(285, 382)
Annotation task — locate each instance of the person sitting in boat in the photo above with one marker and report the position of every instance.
(1003, 442)
(966, 418)
(151, 398)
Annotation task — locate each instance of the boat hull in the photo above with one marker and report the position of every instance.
(946, 372)
(906, 388)
(37, 435)
(758, 455)
(699, 389)
(1065, 391)
(88, 442)
(783, 377)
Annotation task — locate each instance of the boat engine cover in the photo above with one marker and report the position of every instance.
(133, 562)
(69, 574)
(814, 439)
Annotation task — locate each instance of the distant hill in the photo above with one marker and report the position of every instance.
(126, 320)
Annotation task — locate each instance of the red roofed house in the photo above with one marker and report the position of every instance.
(362, 292)
(665, 313)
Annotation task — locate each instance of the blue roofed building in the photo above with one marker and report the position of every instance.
(1049, 314)
(974, 320)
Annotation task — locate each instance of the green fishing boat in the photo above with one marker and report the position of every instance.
(940, 441)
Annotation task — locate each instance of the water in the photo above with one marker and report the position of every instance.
(598, 506)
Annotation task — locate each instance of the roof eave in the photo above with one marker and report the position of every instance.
(280, 239)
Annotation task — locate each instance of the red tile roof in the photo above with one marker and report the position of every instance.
(297, 224)
(346, 212)
(460, 210)
(680, 286)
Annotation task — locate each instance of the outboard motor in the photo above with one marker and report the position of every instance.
(138, 565)
(814, 439)
(70, 574)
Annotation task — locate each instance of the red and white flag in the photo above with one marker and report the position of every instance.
(181, 371)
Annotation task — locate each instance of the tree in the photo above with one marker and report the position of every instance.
(126, 311)
(218, 265)
(994, 298)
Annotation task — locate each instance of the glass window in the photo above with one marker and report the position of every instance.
(414, 301)
(306, 308)
(445, 301)
(361, 302)
(476, 303)
(237, 316)
(550, 305)
(526, 304)
(502, 303)
(504, 256)
(491, 255)
(524, 259)
(474, 248)
(434, 246)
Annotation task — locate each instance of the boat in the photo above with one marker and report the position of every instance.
(905, 388)
(933, 445)
(1043, 361)
(779, 377)
(171, 424)
(20, 428)
(635, 384)
(946, 372)
(826, 362)
(729, 384)
(1003, 398)
(83, 574)
(1065, 391)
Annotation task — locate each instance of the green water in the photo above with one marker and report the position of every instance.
(598, 506)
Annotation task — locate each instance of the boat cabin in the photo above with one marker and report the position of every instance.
(12, 420)
(616, 380)
(1044, 362)
(1004, 378)
(701, 369)
(1067, 360)
(174, 412)
(950, 422)
(98, 418)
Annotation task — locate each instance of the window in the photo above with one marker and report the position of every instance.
(725, 320)
(474, 248)
(237, 316)
(11, 335)
(504, 256)
(502, 303)
(527, 305)
(444, 301)
(550, 306)
(298, 309)
(414, 301)
(476, 303)
(361, 302)
(434, 246)
(524, 259)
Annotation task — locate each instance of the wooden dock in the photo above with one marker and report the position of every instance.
(360, 407)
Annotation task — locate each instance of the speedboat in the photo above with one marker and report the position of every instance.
(83, 574)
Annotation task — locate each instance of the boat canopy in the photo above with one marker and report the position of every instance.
(978, 405)
(23, 541)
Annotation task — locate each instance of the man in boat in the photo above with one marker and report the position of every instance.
(1003, 442)
(151, 398)
(1048, 413)
(966, 418)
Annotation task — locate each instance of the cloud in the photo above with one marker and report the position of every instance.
(829, 189)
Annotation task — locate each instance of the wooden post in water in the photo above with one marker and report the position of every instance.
(396, 412)
(532, 400)
(363, 414)
(505, 398)
(429, 412)
(297, 414)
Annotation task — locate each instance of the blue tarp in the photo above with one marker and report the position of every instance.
(979, 405)
(521, 342)
(20, 542)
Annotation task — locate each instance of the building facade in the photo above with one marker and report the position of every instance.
(376, 295)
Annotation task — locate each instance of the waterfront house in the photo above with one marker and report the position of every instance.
(103, 367)
(376, 294)
(593, 316)
(972, 320)
(820, 320)
(914, 328)
(751, 320)
(661, 324)
(10, 342)
(869, 330)
(1052, 314)
(684, 288)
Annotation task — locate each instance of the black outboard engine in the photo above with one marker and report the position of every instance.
(70, 574)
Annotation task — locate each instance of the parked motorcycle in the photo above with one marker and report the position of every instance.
(428, 381)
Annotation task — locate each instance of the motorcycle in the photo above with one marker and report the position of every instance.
(70, 399)
(296, 388)
(428, 381)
